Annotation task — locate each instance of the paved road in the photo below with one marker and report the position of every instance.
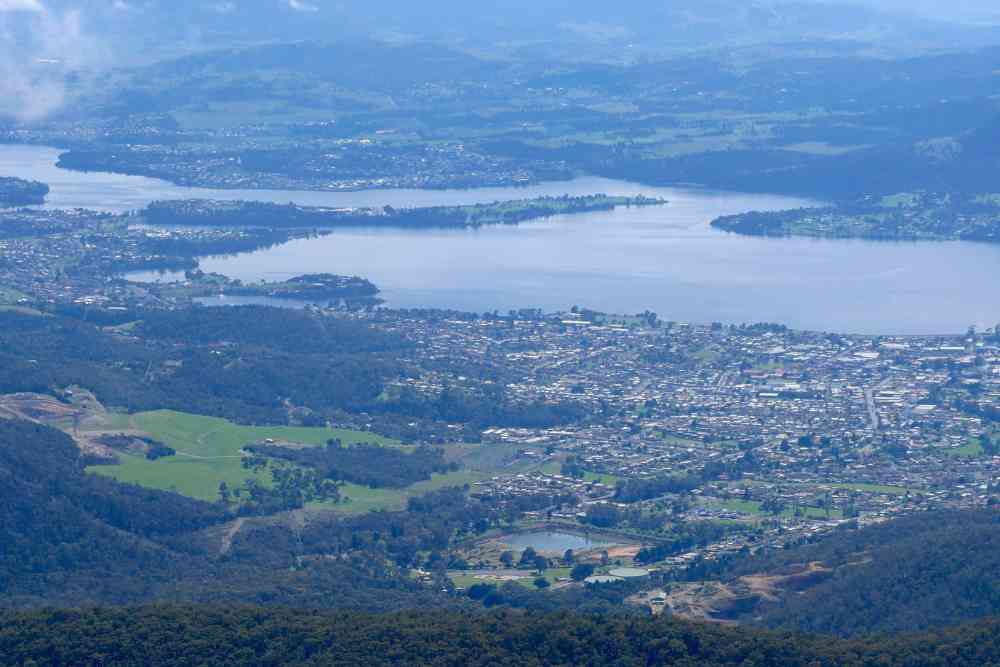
(872, 412)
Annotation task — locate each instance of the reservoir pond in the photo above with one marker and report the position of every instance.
(553, 542)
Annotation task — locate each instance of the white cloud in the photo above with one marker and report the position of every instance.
(38, 48)
(300, 6)
(21, 6)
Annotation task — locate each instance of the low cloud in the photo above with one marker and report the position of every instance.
(300, 6)
(21, 6)
(38, 49)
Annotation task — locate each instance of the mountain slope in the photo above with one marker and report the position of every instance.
(913, 573)
(166, 636)
(77, 533)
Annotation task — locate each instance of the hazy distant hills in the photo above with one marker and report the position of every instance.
(145, 28)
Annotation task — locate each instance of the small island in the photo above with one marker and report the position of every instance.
(207, 213)
(19, 192)
(922, 216)
(348, 292)
(315, 287)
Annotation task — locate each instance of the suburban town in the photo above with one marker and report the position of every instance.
(807, 430)
(738, 438)
(815, 427)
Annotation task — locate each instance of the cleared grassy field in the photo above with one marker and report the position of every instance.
(555, 468)
(876, 488)
(972, 450)
(10, 295)
(363, 499)
(208, 451)
(551, 575)
(754, 509)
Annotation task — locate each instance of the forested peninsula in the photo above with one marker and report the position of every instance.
(206, 213)
(903, 217)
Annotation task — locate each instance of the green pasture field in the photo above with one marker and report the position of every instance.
(360, 499)
(208, 451)
(10, 295)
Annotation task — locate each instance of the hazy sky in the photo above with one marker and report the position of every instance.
(959, 10)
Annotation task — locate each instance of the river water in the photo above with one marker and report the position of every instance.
(666, 258)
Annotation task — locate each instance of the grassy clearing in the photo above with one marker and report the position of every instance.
(116, 421)
(706, 355)
(197, 478)
(680, 442)
(876, 488)
(466, 581)
(555, 468)
(527, 580)
(971, 450)
(753, 508)
(9, 295)
(550, 575)
(490, 457)
(363, 499)
(208, 451)
(610, 480)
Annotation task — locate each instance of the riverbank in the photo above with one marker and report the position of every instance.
(905, 217)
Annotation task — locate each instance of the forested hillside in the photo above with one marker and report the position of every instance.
(74, 538)
(913, 573)
(167, 636)
(249, 364)
(72, 535)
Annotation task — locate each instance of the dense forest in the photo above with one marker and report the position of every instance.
(207, 361)
(367, 464)
(19, 192)
(249, 364)
(70, 534)
(176, 635)
(912, 573)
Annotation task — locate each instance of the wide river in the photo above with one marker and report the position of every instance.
(666, 259)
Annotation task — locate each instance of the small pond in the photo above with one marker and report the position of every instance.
(554, 541)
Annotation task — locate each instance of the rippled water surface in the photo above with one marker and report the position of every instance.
(666, 258)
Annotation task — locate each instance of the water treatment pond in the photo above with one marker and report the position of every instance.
(555, 542)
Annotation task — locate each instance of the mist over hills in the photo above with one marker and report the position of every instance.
(147, 28)
(52, 49)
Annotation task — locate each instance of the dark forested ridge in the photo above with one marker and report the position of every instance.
(167, 636)
(80, 534)
(913, 573)
(19, 192)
